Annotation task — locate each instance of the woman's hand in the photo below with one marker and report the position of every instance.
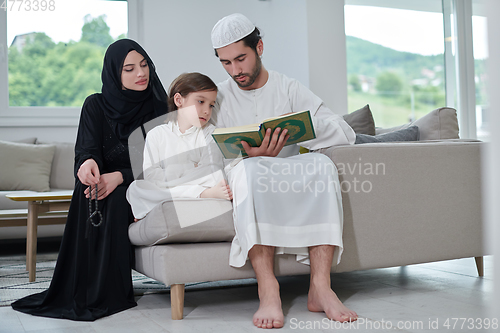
(107, 184)
(270, 146)
(88, 173)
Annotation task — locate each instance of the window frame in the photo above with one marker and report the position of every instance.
(35, 116)
(39, 116)
(461, 94)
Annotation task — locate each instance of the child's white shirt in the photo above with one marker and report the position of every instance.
(176, 165)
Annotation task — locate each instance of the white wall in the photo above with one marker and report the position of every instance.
(491, 159)
(176, 34)
(43, 134)
(327, 53)
(303, 39)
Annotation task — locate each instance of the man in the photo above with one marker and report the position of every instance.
(276, 210)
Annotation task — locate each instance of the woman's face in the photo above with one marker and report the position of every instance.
(135, 72)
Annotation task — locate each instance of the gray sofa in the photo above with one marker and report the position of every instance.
(52, 172)
(403, 202)
(420, 203)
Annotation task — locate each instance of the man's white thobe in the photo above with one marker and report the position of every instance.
(291, 201)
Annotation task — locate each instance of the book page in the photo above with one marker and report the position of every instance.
(292, 114)
(238, 129)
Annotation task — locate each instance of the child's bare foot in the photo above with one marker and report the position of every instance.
(219, 191)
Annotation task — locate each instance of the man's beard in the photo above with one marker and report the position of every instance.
(251, 77)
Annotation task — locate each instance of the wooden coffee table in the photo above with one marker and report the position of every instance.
(40, 203)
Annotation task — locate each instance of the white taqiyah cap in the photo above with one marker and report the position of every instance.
(231, 29)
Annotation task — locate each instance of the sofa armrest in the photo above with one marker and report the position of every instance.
(409, 202)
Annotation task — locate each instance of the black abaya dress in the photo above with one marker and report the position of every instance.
(92, 277)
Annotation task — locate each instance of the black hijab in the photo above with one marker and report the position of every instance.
(128, 109)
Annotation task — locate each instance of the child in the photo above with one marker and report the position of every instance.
(181, 159)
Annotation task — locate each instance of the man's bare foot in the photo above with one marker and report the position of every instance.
(219, 191)
(324, 299)
(269, 314)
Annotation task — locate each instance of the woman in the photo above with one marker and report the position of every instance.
(92, 278)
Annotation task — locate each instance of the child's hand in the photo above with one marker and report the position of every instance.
(219, 191)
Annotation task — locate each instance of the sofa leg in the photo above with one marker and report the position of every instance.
(177, 301)
(479, 265)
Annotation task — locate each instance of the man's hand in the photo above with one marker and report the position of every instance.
(107, 184)
(271, 146)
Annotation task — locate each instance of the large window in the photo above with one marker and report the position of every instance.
(56, 49)
(395, 60)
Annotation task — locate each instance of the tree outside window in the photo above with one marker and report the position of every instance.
(43, 73)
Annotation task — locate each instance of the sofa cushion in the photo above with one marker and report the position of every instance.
(26, 140)
(361, 121)
(439, 124)
(25, 166)
(185, 221)
(408, 134)
(61, 174)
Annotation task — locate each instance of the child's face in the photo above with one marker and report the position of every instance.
(203, 102)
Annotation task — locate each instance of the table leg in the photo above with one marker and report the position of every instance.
(31, 239)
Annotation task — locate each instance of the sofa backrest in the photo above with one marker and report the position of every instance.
(61, 173)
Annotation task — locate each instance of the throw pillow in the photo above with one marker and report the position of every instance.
(408, 134)
(439, 124)
(25, 166)
(61, 175)
(361, 121)
(27, 140)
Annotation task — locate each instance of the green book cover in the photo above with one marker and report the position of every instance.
(299, 126)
